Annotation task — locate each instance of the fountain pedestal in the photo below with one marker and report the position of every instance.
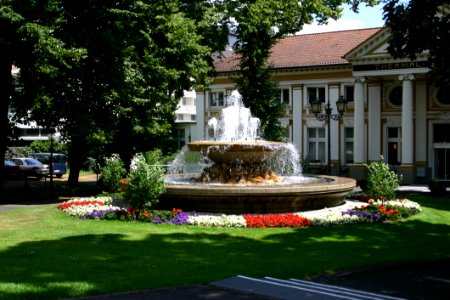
(327, 191)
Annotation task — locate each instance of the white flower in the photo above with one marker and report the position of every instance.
(138, 157)
(217, 220)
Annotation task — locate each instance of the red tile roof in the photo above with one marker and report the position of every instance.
(303, 50)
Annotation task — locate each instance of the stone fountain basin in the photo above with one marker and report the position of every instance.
(236, 152)
(238, 199)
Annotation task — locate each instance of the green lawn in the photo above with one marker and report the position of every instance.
(45, 254)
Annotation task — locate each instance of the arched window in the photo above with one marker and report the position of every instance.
(443, 95)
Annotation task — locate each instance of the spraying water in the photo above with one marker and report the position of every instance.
(237, 126)
(236, 122)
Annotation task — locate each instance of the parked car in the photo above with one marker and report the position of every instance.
(10, 170)
(31, 167)
(59, 162)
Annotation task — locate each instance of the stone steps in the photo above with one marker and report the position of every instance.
(296, 289)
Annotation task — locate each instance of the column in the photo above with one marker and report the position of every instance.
(359, 129)
(333, 95)
(199, 133)
(407, 119)
(420, 131)
(374, 121)
(297, 115)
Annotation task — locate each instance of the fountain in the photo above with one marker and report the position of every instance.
(247, 174)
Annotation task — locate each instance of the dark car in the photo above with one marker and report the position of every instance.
(31, 167)
(10, 170)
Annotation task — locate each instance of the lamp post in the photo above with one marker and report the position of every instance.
(316, 108)
(50, 137)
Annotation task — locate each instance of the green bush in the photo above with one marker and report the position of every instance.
(146, 181)
(381, 181)
(111, 174)
(45, 146)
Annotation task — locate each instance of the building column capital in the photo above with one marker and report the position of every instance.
(405, 77)
(360, 79)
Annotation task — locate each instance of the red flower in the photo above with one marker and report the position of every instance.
(276, 220)
(392, 211)
(176, 211)
(66, 205)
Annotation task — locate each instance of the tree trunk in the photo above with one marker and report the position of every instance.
(5, 94)
(75, 159)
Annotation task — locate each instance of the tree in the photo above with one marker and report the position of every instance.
(259, 24)
(27, 41)
(120, 97)
(418, 26)
(107, 74)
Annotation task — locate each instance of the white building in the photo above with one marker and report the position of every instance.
(393, 108)
(185, 117)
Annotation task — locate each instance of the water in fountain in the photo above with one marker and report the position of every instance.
(236, 122)
(273, 163)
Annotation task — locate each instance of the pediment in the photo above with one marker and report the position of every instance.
(374, 47)
(372, 57)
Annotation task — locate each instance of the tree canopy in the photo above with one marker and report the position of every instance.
(259, 24)
(418, 26)
(120, 71)
(27, 41)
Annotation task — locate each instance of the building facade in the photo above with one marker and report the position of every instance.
(393, 109)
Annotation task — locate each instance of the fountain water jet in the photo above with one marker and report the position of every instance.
(248, 174)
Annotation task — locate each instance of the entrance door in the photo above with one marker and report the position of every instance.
(394, 150)
(442, 161)
(441, 145)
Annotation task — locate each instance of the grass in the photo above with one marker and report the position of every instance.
(45, 254)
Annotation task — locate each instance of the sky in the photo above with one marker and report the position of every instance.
(368, 17)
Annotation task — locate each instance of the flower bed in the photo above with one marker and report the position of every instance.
(351, 212)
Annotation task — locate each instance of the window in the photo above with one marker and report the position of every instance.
(316, 93)
(316, 145)
(184, 102)
(193, 118)
(179, 117)
(395, 96)
(181, 138)
(349, 93)
(283, 96)
(216, 99)
(394, 135)
(349, 138)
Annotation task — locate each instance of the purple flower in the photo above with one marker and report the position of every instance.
(181, 219)
(156, 220)
(363, 215)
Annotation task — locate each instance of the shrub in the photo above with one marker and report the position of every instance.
(45, 146)
(146, 182)
(381, 181)
(111, 174)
